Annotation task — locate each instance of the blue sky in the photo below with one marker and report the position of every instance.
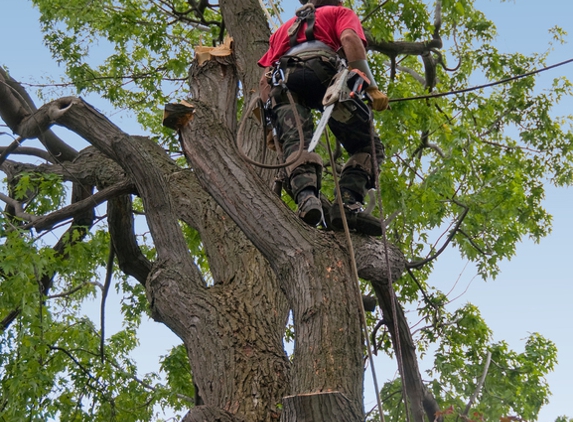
(535, 289)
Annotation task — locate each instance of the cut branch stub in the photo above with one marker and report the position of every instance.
(175, 116)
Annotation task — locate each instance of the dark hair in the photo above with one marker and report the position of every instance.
(317, 3)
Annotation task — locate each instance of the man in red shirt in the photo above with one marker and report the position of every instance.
(303, 59)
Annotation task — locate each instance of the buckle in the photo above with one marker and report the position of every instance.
(278, 73)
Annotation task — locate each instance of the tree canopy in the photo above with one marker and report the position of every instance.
(190, 234)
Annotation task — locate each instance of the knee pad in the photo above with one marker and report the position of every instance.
(361, 161)
(305, 172)
(305, 158)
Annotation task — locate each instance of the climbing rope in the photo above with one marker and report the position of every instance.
(398, 343)
(354, 269)
(247, 113)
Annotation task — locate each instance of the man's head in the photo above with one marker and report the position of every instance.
(323, 2)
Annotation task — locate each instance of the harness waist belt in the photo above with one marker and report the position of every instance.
(308, 47)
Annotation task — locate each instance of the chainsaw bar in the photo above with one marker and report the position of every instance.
(330, 98)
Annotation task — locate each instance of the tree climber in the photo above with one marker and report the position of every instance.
(303, 58)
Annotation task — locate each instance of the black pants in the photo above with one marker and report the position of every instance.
(354, 135)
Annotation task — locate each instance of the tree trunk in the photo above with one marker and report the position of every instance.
(263, 261)
(327, 355)
(318, 407)
(258, 250)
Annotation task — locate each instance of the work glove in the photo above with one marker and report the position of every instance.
(379, 99)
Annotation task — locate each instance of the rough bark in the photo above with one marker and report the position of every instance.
(211, 414)
(16, 109)
(371, 258)
(328, 337)
(263, 260)
(331, 406)
(232, 329)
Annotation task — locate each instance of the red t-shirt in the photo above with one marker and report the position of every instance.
(329, 23)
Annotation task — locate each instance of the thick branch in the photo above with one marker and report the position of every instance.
(35, 152)
(76, 209)
(89, 168)
(371, 260)
(18, 208)
(138, 162)
(121, 228)
(425, 50)
(248, 47)
(33, 125)
(19, 112)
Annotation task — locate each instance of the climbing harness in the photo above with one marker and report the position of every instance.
(303, 15)
(297, 155)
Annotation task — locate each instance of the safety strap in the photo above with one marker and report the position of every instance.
(304, 14)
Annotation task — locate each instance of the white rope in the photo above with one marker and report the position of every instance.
(354, 269)
(269, 17)
(276, 11)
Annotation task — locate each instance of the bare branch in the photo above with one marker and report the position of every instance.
(456, 229)
(371, 13)
(35, 152)
(20, 114)
(469, 238)
(18, 208)
(46, 222)
(10, 148)
(72, 291)
(479, 385)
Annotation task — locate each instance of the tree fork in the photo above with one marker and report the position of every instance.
(233, 328)
(318, 285)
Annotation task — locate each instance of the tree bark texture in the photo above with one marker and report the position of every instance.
(331, 406)
(263, 261)
(327, 329)
(233, 328)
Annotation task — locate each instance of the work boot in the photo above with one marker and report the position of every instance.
(357, 219)
(309, 207)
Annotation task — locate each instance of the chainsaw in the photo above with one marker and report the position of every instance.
(344, 99)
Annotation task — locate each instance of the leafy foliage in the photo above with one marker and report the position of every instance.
(52, 366)
(488, 152)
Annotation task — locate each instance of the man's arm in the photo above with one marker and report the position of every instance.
(356, 55)
(352, 45)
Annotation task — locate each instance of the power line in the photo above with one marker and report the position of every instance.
(461, 91)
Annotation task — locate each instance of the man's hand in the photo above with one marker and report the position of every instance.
(379, 99)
